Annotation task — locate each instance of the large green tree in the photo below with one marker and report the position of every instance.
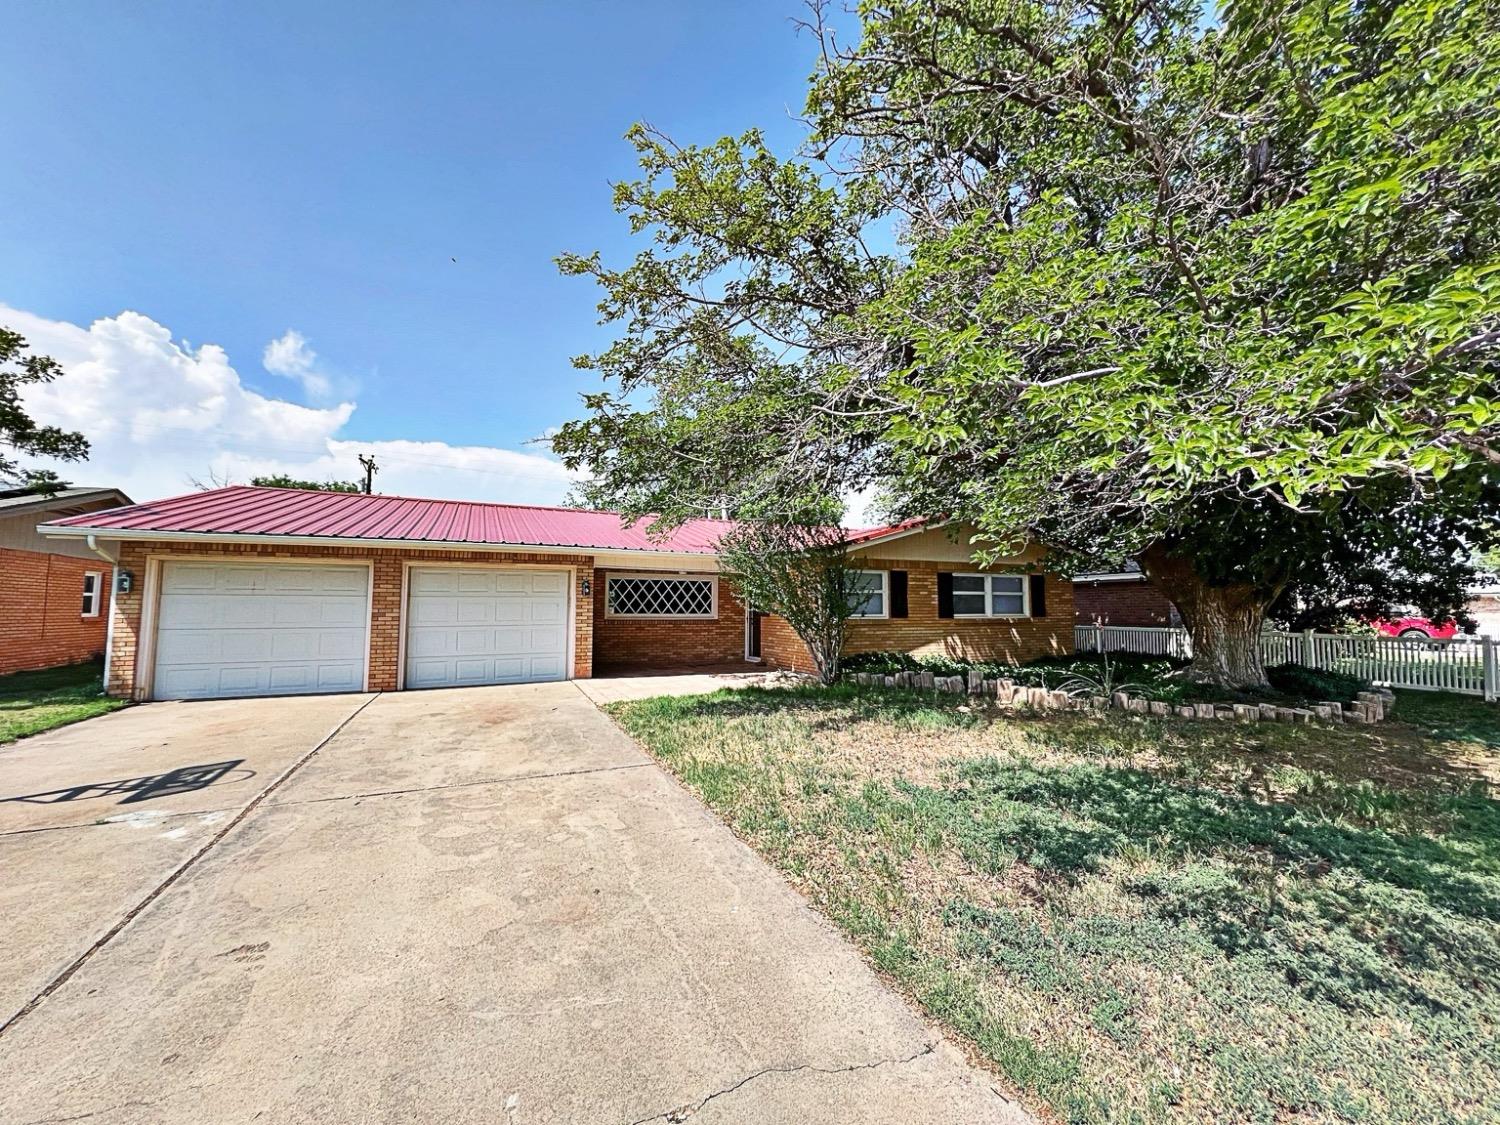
(19, 432)
(1222, 294)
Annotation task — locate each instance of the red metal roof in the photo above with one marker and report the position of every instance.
(248, 510)
(864, 535)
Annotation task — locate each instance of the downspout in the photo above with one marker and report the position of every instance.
(109, 626)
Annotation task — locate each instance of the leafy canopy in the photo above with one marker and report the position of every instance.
(1116, 275)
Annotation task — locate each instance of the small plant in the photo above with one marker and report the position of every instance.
(1105, 682)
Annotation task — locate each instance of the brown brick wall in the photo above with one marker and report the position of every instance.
(661, 642)
(1122, 603)
(41, 610)
(922, 631)
(385, 612)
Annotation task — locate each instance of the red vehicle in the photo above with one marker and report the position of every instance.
(1417, 627)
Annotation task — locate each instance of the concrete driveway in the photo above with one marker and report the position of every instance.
(483, 905)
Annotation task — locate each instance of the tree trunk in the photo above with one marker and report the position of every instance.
(1224, 621)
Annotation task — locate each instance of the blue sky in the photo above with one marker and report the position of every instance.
(234, 172)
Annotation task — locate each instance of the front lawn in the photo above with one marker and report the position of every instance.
(31, 702)
(1137, 920)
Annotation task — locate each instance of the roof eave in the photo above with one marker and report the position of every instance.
(42, 503)
(75, 531)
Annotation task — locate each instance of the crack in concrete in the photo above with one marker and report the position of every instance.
(456, 785)
(683, 1112)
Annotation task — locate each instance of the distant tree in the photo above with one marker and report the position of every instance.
(18, 431)
(281, 480)
(801, 572)
(44, 482)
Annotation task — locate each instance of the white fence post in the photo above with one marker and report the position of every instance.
(1309, 658)
(1491, 684)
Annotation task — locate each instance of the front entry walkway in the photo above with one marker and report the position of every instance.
(477, 905)
(614, 685)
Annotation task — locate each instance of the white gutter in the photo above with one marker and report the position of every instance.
(109, 625)
(75, 532)
(93, 545)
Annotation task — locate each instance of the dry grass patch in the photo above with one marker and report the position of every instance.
(1136, 920)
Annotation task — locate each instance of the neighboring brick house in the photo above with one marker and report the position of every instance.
(263, 591)
(1484, 608)
(54, 593)
(1123, 597)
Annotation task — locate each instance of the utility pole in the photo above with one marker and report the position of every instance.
(370, 470)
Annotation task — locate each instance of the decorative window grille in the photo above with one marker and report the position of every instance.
(664, 596)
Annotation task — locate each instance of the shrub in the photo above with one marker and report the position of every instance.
(1315, 683)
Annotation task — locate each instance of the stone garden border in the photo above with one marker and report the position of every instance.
(1368, 707)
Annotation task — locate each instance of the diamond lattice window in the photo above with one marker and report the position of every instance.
(660, 597)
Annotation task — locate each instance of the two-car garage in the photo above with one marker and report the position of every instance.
(282, 628)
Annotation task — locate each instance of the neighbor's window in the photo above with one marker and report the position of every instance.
(989, 595)
(91, 579)
(641, 595)
(867, 592)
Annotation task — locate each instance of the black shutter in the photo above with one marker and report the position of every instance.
(945, 594)
(1038, 595)
(898, 593)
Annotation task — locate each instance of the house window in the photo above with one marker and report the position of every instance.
(867, 592)
(91, 580)
(989, 595)
(650, 595)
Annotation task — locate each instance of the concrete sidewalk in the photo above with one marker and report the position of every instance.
(483, 905)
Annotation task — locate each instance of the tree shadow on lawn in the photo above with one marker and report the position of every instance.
(1342, 909)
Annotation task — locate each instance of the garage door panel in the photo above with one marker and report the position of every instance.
(473, 625)
(549, 582)
(514, 583)
(241, 579)
(511, 611)
(546, 667)
(472, 642)
(474, 611)
(474, 582)
(440, 580)
(545, 611)
(435, 610)
(249, 611)
(232, 680)
(187, 612)
(226, 629)
(245, 647)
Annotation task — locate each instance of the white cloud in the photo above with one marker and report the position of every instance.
(160, 414)
(290, 356)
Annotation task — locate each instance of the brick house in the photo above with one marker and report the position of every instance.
(54, 593)
(1122, 597)
(263, 591)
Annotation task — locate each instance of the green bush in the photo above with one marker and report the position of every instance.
(1315, 684)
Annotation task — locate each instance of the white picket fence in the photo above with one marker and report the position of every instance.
(1466, 665)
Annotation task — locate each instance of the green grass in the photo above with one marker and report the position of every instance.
(1137, 920)
(31, 702)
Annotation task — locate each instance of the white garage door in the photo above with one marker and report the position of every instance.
(260, 629)
(478, 625)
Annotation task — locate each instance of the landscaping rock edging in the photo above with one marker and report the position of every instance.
(1368, 706)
